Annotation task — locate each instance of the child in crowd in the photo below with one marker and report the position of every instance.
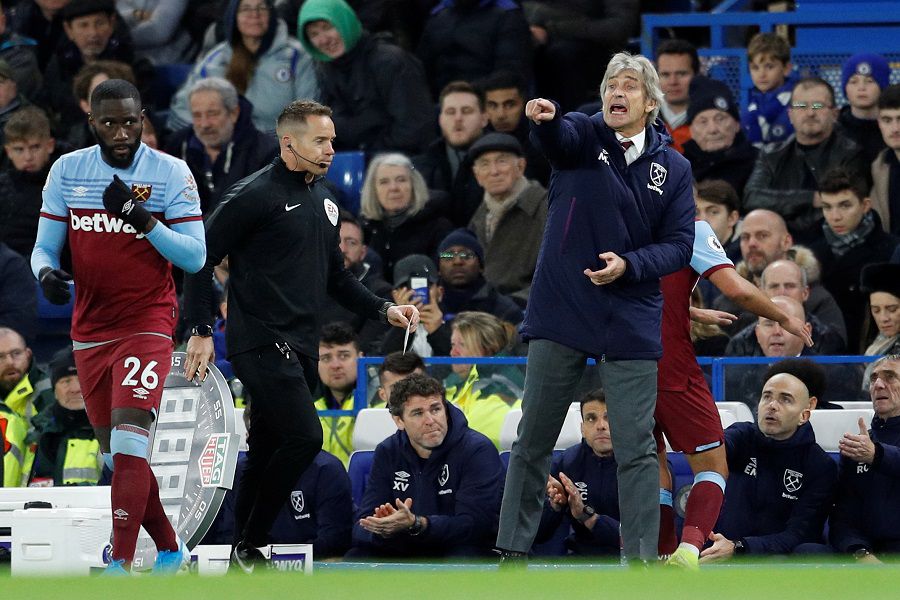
(765, 119)
(862, 79)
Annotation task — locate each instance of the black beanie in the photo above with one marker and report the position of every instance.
(62, 365)
(706, 93)
(465, 238)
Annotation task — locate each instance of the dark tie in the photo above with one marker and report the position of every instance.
(626, 144)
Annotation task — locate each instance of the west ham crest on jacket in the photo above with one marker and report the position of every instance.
(297, 500)
(793, 480)
(657, 177)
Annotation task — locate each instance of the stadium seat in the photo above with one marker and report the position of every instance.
(53, 325)
(830, 425)
(168, 79)
(727, 417)
(569, 435)
(347, 171)
(740, 410)
(856, 404)
(358, 470)
(373, 425)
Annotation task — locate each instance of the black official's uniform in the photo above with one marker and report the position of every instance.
(281, 237)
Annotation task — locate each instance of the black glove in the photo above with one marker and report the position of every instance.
(55, 284)
(118, 199)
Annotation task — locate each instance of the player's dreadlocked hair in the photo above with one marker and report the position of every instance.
(114, 89)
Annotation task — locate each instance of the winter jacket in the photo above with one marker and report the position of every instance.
(733, 164)
(379, 97)
(159, 38)
(465, 193)
(785, 179)
(67, 61)
(248, 151)
(418, 234)
(865, 132)
(20, 53)
(377, 90)
(319, 510)
(595, 477)
(284, 73)
(468, 43)
(68, 452)
(779, 493)
(840, 276)
(610, 22)
(20, 206)
(765, 119)
(865, 511)
(458, 489)
(480, 296)
(18, 294)
(643, 212)
(511, 254)
(881, 187)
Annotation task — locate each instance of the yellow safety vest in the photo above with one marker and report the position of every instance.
(82, 465)
(337, 432)
(14, 461)
(20, 399)
(484, 413)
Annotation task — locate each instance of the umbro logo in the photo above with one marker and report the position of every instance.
(141, 393)
(401, 481)
(120, 514)
(79, 191)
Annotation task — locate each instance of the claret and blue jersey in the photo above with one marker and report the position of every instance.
(117, 269)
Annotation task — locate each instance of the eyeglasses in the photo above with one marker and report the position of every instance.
(804, 106)
(246, 10)
(13, 354)
(464, 255)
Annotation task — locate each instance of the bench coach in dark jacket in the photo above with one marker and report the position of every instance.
(618, 220)
(445, 475)
(780, 482)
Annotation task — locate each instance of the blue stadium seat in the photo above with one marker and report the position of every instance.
(347, 171)
(167, 81)
(54, 323)
(358, 470)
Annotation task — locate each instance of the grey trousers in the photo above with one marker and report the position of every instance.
(551, 377)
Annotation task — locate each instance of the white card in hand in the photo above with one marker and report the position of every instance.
(406, 336)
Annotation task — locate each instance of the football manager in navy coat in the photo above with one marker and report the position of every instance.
(620, 217)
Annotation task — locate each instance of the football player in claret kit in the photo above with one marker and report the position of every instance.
(685, 410)
(130, 213)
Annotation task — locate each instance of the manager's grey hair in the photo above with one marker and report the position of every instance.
(221, 86)
(624, 61)
(370, 208)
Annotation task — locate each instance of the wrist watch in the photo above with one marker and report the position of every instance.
(739, 547)
(382, 312)
(417, 526)
(201, 330)
(861, 553)
(586, 513)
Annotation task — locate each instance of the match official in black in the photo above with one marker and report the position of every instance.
(279, 228)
